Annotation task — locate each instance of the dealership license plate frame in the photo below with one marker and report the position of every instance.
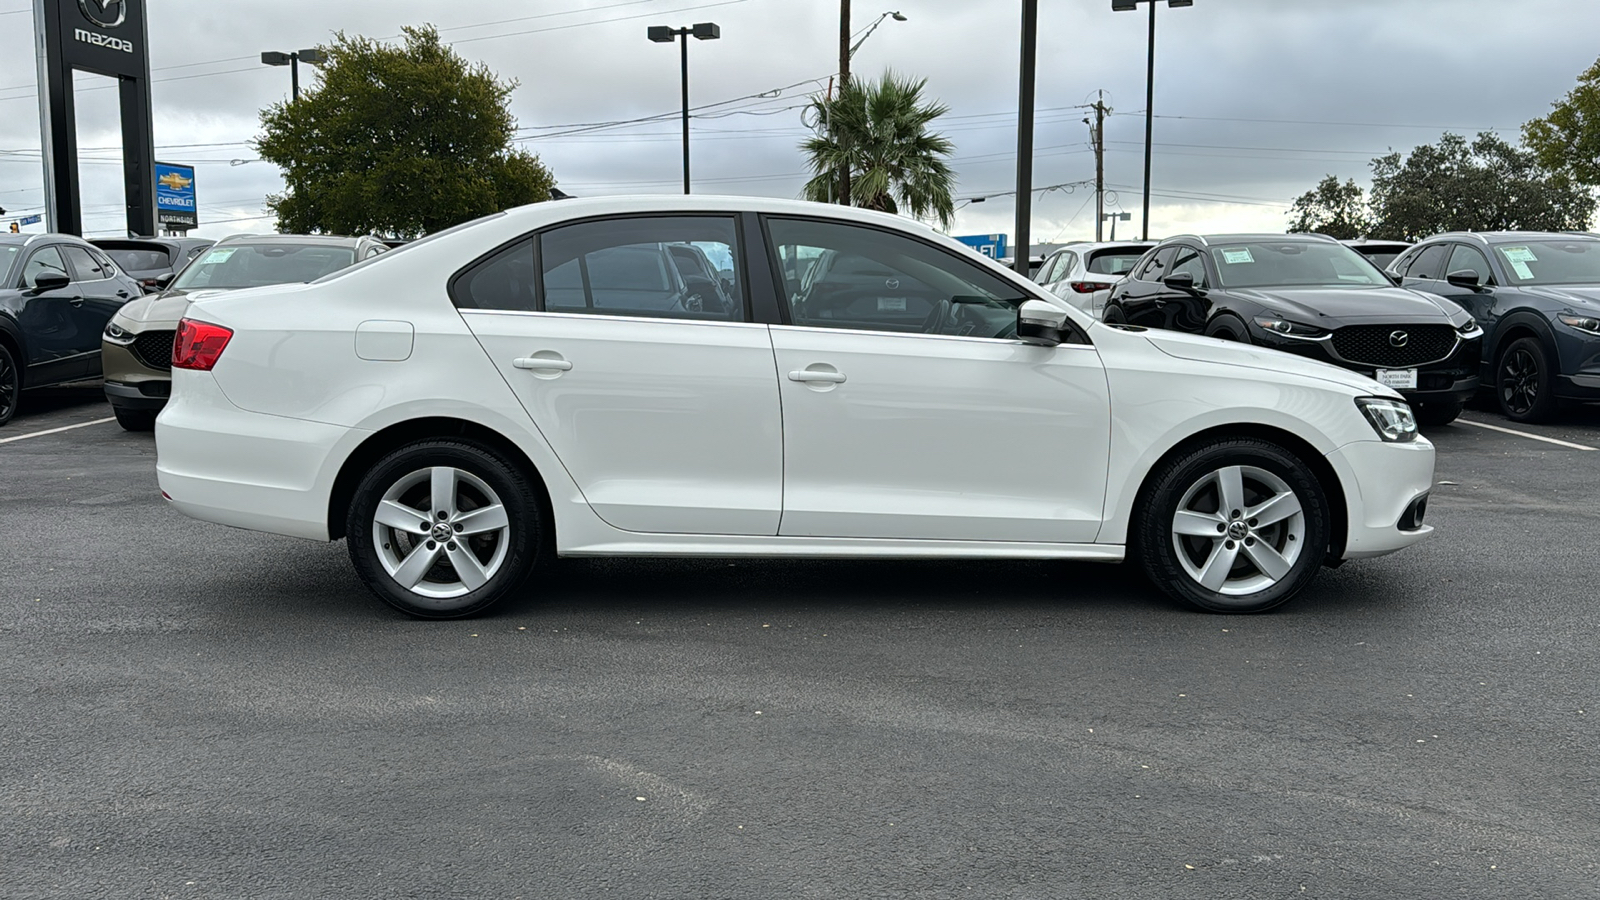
(1399, 379)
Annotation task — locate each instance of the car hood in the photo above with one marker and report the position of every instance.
(1584, 296)
(1216, 350)
(1315, 305)
(165, 308)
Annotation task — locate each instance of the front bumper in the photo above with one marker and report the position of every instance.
(1382, 485)
(1452, 379)
(131, 382)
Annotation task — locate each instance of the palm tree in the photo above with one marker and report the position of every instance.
(879, 133)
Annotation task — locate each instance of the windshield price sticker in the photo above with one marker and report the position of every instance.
(1403, 379)
(1234, 257)
(218, 256)
(1519, 254)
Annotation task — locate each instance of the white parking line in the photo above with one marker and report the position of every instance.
(23, 437)
(1533, 437)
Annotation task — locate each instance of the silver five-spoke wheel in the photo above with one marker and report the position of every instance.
(441, 532)
(1238, 530)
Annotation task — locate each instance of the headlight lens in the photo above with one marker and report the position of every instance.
(1391, 419)
(118, 335)
(1470, 329)
(1288, 328)
(1582, 323)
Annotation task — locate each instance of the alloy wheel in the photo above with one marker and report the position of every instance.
(1519, 381)
(1238, 530)
(441, 532)
(8, 386)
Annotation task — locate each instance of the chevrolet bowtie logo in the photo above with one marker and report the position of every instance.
(175, 182)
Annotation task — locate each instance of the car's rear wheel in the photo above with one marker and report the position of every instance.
(1235, 525)
(135, 419)
(10, 384)
(1524, 382)
(444, 529)
(1437, 412)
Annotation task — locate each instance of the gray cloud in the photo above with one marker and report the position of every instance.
(1378, 66)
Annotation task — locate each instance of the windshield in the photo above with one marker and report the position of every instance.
(1115, 262)
(1552, 262)
(254, 265)
(1381, 258)
(8, 252)
(1285, 263)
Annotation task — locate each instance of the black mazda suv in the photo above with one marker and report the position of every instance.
(1311, 296)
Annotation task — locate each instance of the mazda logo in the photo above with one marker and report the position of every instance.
(891, 283)
(1398, 338)
(105, 13)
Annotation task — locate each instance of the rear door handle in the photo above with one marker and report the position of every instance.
(807, 375)
(537, 362)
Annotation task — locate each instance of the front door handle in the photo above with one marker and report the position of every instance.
(808, 375)
(539, 362)
(76, 301)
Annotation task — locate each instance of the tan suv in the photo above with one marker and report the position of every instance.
(136, 349)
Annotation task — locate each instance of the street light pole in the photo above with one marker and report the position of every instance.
(312, 57)
(701, 31)
(1149, 90)
(1030, 42)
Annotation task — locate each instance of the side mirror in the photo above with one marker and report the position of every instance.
(164, 279)
(1181, 281)
(1464, 278)
(1040, 323)
(50, 281)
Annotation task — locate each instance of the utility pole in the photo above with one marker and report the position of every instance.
(1030, 43)
(1099, 137)
(844, 81)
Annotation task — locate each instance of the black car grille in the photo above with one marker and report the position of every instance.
(1372, 345)
(154, 349)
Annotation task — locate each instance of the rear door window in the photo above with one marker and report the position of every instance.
(676, 267)
(1429, 263)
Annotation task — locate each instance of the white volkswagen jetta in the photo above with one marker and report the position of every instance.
(732, 376)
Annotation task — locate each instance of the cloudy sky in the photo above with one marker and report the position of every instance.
(1256, 99)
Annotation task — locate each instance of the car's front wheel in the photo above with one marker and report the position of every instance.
(10, 384)
(1523, 382)
(444, 529)
(1235, 525)
(135, 419)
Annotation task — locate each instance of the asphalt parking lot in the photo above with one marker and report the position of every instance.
(194, 711)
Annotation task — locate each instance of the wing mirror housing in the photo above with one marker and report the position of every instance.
(164, 279)
(50, 281)
(1040, 323)
(1182, 281)
(1465, 278)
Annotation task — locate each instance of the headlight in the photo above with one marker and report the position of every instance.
(1391, 419)
(118, 335)
(1469, 329)
(1582, 323)
(1290, 329)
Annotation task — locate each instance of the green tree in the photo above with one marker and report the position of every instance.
(398, 141)
(1334, 209)
(878, 132)
(1568, 140)
(1487, 185)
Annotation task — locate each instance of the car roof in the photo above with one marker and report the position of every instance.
(535, 215)
(26, 239)
(1507, 237)
(1373, 242)
(1209, 239)
(330, 240)
(1109, 245)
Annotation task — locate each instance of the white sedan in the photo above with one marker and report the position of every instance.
(733, 376)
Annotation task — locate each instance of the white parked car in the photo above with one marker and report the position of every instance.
(549, 380)
(1082, 274)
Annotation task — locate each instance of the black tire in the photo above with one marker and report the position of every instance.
(10, 384)
(1229, 329)
(1437, 412)
(1524, 383)
(374, 547)
(136, 419)
(1300, 540)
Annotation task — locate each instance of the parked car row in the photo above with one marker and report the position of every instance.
(70, 311)
(1514, 313)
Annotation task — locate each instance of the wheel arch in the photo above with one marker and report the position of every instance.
(1517, 325)
(388, 439)
(1229, 318)
(11, 337)
(1332, 487)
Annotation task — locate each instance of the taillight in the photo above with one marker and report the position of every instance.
(198, 345)
(1089, 287)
